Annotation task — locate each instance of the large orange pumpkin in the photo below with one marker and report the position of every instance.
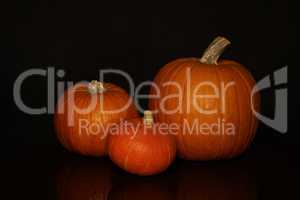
(85, 112)
(211, 95)
(141, 147)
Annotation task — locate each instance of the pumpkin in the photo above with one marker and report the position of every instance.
(84, 113)
(210, 100)
(140, 147)
(81, 178)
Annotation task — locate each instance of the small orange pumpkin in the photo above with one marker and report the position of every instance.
(211, 93)
(80, 125)
(142, 148)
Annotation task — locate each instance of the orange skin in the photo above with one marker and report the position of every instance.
(142, 153)
(237, 103)
(81, 140)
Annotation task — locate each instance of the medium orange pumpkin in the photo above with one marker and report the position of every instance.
(140, 147)
(209, 94)
(84, 113)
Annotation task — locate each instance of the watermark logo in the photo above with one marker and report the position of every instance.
(215, 99)
(280, 121)
(131, 129)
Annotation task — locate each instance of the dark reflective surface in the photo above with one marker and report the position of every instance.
(264, 172)
(215, 181)
(84, 179)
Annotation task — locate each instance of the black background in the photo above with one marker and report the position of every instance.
(85, 37)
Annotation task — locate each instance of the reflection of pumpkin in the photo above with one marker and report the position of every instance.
(83, 132)
(84, 179)
(143, 149)
(155, 188)
(184, 86)
(214, 181)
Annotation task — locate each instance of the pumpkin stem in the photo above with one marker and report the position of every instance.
(96, 87)
(214, 50)
(148, 118)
